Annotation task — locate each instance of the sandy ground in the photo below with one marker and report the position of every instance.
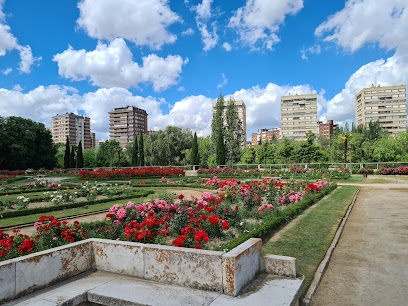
(370, 264)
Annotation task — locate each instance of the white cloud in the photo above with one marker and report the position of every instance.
(227, 46)
(367, 21)
(27, 59)
(209, 37)
(259, 21)
(17, 87)
(143, 22)
(181, 88)
(7, 71)
(112, 66)
(224, 81)
(188, 32)
(316, 49)
(8, 43)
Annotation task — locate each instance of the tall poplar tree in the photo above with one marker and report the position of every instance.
(141, 151)
(67, 155)
(135, 153)
(220, 148)
(80, 156)
(217, 120)
(233, 134)
(72, 158)
(194, 151)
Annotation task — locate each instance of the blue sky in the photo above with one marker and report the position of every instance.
(173, 58)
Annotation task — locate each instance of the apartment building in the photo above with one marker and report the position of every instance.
(327, 129)
(388, 104)
(127, 122)
(76, 127)
(241, 110)
(298, 116)
(265, 134)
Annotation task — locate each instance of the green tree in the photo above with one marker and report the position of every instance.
(72, 161)
(135, 153)
(308, 151)
(220, 149)
(217, 120)
(345, 138)
(233, 134)
(205, 150)
(107, 152)
(80, 156)
(195, 160)
(25, 144)
(141, 151)
(67, 154)
(285, 149)
(89, 158)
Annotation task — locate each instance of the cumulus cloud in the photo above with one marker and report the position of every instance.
(27, 59)
(188, 32)
(7, 71)
(358, 23)
(144, 22)
(112, 66)
(259, 20)
(209, 37)
(316, 49)
(8, 43)
(17, 87)
(227, 46)
(367, 21)
(223, 82)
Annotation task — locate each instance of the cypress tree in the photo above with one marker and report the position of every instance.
(72, 158)
(220, 149)
(80, 156)
(194, 151)
(217, 120)
(67, 155)
(141, 151)
(135, 153)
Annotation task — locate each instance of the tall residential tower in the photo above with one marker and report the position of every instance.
(76, 127)
(387, 104)
(298, 116)
(127, 122)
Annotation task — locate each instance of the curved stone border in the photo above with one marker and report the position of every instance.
(325, 262)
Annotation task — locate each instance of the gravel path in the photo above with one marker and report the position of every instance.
(370, 264)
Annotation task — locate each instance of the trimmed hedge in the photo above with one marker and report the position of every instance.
(264, 229)
(37, 210)
(177, 185)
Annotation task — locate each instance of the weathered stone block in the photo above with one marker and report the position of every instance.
(7, 279)
(193, 268)
(280, 265)
(240, 265)
(43, 268)
(121, 257)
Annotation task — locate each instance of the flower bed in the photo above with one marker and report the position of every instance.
(366, 170)
(202, 222)
(131, 173)
(401, 170)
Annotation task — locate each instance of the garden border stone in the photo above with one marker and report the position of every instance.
(198, 269)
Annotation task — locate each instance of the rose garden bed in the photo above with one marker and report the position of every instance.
(215, 220)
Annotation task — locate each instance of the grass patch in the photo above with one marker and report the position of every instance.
(310, 237)
(69, 212)
(355, 178)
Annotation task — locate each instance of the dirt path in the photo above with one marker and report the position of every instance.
(370, 264)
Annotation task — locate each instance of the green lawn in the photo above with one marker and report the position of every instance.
(69, 212)
(311, 235)
(355, 178)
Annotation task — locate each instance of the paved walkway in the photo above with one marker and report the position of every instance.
(370, 264)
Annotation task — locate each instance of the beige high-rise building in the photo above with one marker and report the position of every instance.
(241, 110)
(387, 104)
(76, 127)
(127, 122)
(298, 116)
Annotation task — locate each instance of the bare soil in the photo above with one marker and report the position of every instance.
(370, 264)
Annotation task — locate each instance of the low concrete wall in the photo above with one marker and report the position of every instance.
(200, 269)
(240, 265)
